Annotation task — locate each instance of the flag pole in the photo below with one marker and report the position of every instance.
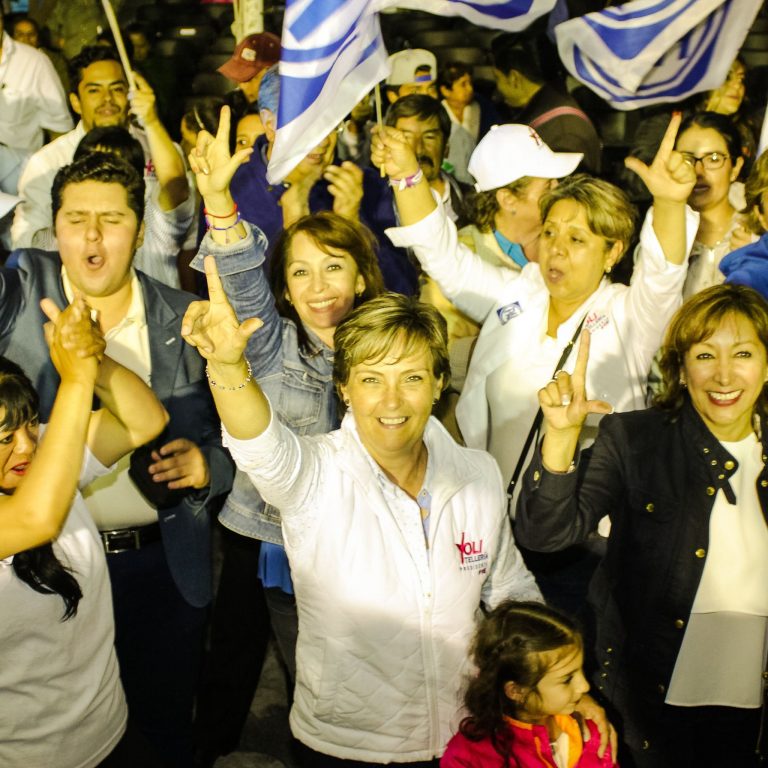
(379, 120)
(113, 25)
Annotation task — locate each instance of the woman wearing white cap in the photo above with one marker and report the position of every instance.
(530, 317)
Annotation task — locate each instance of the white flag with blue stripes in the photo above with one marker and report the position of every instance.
(333, 54)
(653, 51)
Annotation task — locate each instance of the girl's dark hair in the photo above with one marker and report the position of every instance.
(330, 232)
(38, 568)
(508, 646)
(113, 139)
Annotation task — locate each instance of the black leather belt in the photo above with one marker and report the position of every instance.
(126, 539)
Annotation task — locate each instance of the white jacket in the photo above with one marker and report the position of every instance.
(384, 623)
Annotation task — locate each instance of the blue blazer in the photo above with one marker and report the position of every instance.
(178, 380)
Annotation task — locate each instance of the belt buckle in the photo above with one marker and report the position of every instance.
(107, 539)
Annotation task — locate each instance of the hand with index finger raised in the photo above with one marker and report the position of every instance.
(564, 400)
(668, 177)
(212, 326)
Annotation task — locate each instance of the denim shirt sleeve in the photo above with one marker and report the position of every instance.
(241, 269)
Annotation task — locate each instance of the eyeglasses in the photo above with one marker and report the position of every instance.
(709, 162)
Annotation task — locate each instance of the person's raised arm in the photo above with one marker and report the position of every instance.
(390, 151)
(670, 181)
(131, 414)
(212, 327)
(169, 166)
(36, 511)
(565, 407)
(214, 167)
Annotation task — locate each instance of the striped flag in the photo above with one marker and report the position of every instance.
(333, 54)
(653, 51)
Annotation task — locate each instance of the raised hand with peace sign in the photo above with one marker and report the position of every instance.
(214, 166)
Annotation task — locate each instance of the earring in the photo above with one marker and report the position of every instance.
(346, 402)
(683, 382)
(608, 270)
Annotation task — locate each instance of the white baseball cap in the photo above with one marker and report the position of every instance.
(508, 152)
(403, 66)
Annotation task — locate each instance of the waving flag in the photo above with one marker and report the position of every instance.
(333, 54)
(652, 51)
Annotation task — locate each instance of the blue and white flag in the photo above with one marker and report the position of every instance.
(504, 15)
(333, 54)
(653, 51)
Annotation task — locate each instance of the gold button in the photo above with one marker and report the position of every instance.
(729, 464)
(609, 650)
(714, 463)
(646, 744)
(599, 687)
(679, 624)
(649, 507)
(706, 451)
(764, 483)
(606, 663)
(710, 491)
(721, 477)
(603, 675)
(536, 476)
(700, 553)
(765, 675)
(661, 688)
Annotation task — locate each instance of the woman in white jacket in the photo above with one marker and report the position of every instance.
(395, 534)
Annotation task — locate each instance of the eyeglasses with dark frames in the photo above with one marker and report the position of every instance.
(712, 161)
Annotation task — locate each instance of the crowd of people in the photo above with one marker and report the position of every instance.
(475, 431)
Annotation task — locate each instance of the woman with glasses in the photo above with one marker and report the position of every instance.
(710, 143)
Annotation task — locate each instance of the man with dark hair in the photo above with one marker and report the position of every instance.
(427, 128)
(154, 524)
(31, 95)
(99, 94)
(555, 115)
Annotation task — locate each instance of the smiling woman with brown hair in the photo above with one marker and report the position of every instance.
(680, 602)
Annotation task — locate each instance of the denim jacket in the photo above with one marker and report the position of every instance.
(299, 385)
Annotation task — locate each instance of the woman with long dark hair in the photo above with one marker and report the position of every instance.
(63, 703)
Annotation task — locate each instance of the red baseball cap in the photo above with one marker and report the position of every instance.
(253, 53)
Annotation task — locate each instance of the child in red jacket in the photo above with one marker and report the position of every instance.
(529, 681)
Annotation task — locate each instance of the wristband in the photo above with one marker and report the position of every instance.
(408, 181)
(206, 212)
(229, 226)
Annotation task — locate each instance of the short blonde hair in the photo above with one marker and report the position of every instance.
(385, 323)
(609, 212)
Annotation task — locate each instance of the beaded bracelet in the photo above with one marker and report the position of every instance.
(408, 181)
(237, 220)
(215, 384)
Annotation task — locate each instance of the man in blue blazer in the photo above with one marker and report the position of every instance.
(157, 541)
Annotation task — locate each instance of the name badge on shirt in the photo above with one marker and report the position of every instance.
(595, 321)
(509, 311)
